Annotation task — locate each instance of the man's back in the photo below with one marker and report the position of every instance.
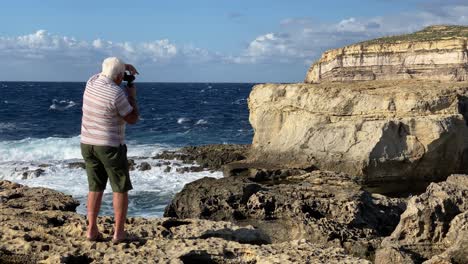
(104, 105)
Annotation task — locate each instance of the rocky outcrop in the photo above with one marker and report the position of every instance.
(382, 131)
(434, 226)
(326, 208)
(211, 157)
(435, 53)
(38, 225)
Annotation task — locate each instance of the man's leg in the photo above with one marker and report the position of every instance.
(94, 204)
(120, 201)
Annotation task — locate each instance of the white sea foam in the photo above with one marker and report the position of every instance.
(73, 181)
(61, 105)
(6, 102)
(201, 122)
(53, 155)
(53, 148)
(240, 101)
(182, 120)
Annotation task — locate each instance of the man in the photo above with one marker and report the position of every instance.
(106, 110)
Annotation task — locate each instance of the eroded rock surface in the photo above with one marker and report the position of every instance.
(434, 226)
(435, 53)
(38, 226)
(327, 208)
(382, 131)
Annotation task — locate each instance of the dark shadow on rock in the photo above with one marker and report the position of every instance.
(168, 224)
(76, 259)
(12, 258)
(242, 236)
(198, 256)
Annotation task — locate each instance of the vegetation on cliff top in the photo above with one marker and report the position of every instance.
(431, 33)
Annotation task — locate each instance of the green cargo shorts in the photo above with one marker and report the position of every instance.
(103, 162)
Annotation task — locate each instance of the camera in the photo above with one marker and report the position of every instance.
(129, 79)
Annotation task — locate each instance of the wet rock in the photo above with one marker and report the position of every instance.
(324, 207)
(434, 225)
(168, 169)
(31, 174)
(183, 170)
(190, 169)
(77, 165)
(131, 164)
(212, 157)
(144, 166)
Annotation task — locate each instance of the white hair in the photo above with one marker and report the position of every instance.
(112, 67)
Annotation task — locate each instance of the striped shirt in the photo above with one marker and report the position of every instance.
(104, 106)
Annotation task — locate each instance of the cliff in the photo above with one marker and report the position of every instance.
(435, 53)
(382, 131)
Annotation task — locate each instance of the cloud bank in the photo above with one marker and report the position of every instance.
(295, 41)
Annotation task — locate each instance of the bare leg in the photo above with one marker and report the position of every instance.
(94, 204)
(120, 201)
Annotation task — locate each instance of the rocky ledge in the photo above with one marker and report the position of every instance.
(332, 210)
(434, 53)
(40, 226)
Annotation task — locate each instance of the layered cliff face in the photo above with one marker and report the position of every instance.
(382, 131)
(435, 53)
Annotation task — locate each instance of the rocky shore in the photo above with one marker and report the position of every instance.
(39, 226)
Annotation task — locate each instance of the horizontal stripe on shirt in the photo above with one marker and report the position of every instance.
(104, 106)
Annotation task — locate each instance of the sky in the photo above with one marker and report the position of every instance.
(199, 41)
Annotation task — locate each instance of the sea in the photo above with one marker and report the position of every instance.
(40, 136)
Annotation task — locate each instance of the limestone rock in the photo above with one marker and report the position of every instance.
(435, 53)
(382, 131)
(13, 195)
(326, 208)
(30, 234)
(434, 225)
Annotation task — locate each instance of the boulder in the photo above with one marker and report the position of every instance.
(144, 166)
(382, 131)
(434, 226)
(434, 53)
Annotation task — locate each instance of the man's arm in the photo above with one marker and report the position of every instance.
(134, 116)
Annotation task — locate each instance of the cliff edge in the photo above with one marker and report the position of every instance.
(434, 53)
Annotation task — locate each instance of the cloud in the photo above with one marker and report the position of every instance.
(289, 47)
(302, 40)
(43, 45)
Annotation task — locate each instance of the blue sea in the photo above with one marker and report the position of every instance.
(40, 128)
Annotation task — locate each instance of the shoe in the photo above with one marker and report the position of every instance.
(96, 238)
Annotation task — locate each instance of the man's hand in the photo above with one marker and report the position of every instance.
(131, 69)
(131, 91)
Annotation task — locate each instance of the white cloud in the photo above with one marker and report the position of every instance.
(297, 42)
(303, 40)
(43, 45)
